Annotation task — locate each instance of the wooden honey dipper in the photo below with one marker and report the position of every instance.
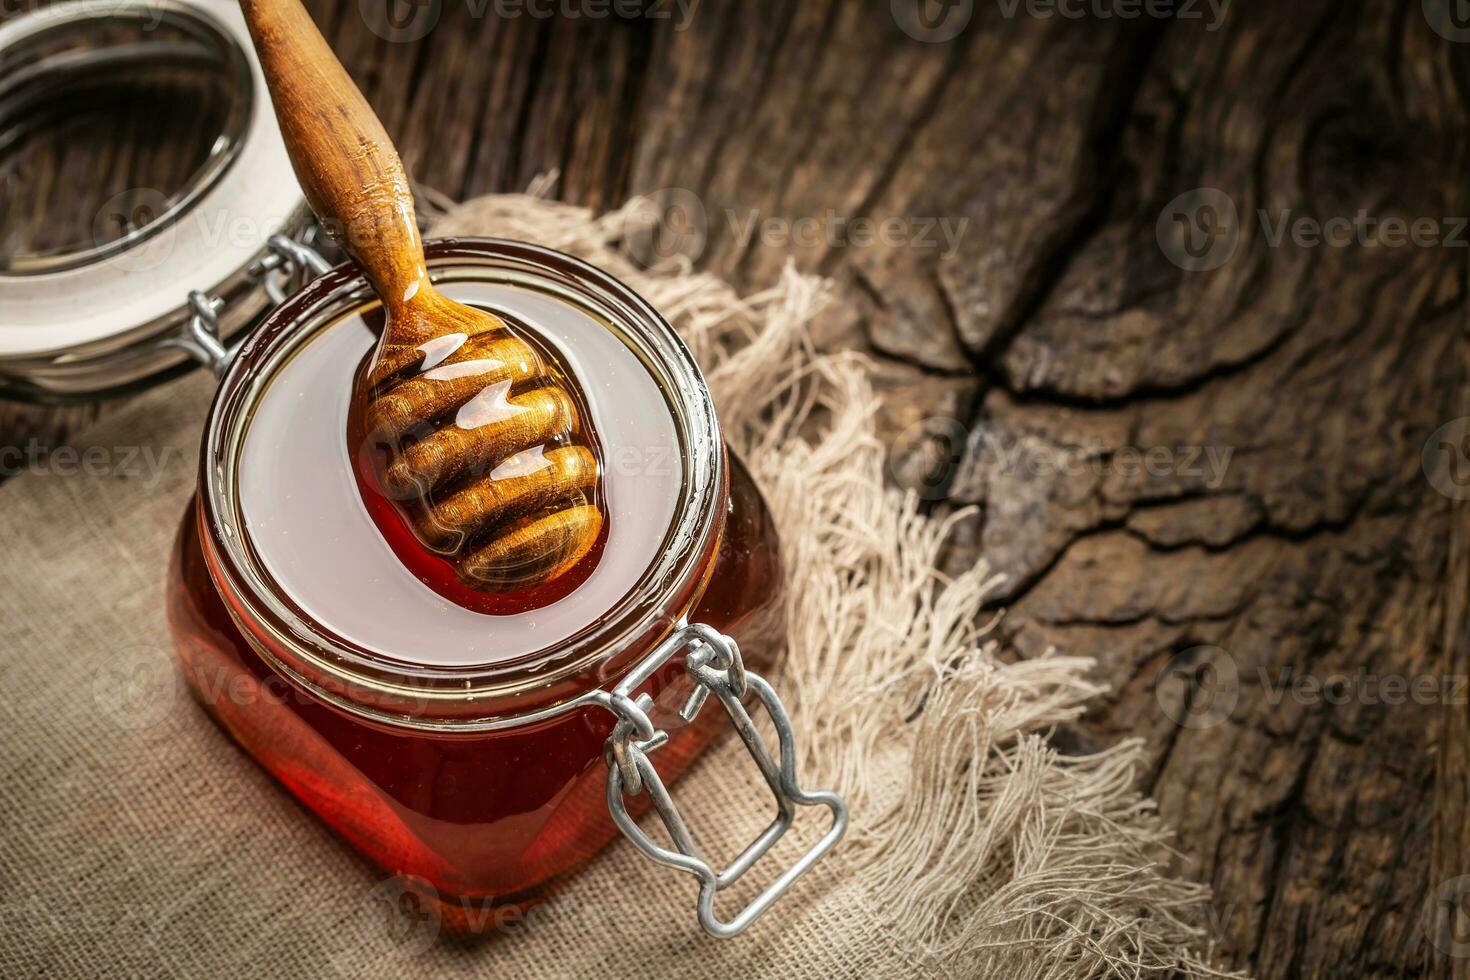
(484, 450)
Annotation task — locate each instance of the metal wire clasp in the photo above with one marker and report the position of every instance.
(715, 666)
(199, 336)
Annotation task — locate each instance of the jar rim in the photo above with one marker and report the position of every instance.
(477, 697)
(216, 55)
(101, 324)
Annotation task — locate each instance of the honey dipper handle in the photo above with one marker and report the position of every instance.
(347, 166)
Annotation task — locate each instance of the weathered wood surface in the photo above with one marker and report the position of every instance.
(1182, 473)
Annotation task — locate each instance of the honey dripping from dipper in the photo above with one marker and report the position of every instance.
(476, 458)
(472, 448)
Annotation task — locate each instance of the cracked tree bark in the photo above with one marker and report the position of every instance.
(1184, 474)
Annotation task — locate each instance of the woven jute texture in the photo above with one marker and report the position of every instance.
(136, 840)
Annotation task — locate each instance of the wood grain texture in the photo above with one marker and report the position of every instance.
(1056, 343)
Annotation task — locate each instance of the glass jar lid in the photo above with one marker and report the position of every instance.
(141, 160)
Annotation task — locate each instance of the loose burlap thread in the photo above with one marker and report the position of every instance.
(138, 841)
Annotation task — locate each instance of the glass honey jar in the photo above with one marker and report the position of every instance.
(487, 755)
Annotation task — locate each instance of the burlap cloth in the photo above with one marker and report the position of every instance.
(136, 840)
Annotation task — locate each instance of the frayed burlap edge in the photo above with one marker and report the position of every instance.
(991, 853)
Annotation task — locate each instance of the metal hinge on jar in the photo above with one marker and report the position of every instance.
(714, 665)
(199, 336)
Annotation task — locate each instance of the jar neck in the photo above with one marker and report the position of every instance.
(474, 698)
